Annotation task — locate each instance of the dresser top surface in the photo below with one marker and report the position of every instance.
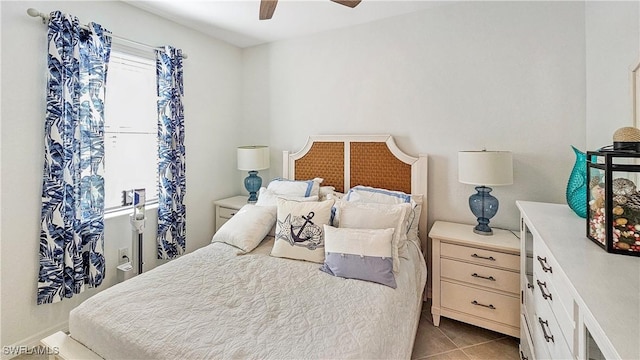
(608, 284)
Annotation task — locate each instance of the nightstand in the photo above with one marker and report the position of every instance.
(226, 208)
(476, 277)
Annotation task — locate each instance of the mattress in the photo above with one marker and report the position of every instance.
(214, 303)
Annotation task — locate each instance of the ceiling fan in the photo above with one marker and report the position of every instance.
(267, 7)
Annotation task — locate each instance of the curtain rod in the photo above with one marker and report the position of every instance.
(35, 13)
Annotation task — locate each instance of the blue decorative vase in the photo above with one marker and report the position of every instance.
(577, 185)
(252, 183)
(484, 206)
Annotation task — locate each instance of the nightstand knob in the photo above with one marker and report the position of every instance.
(474, 255)
(490, 306)
(483, 277)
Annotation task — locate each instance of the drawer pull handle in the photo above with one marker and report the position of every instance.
(522, 356)
(529, 286)
(232, 213)
(483, 277)
(483, 257)
(490, 306)
(548, 294)
(544, 332)
(545, 264)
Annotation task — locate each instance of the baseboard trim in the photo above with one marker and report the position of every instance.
(32, 341)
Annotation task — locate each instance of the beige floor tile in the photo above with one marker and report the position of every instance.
(430, 341)
(463, 334)
(503, 349)
(451, 355)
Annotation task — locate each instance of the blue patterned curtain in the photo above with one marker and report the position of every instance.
(171, 154)
(72, 217)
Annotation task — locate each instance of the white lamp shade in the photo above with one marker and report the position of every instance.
(491, 168)
(255, 157)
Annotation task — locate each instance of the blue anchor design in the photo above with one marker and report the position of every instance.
(298, 237)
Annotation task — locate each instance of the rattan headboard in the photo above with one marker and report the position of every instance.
(344, 161)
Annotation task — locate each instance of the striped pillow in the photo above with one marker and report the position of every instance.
(363, 254)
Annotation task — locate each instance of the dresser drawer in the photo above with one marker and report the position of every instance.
(480, 275)
(480, 256)
(226, 213)
(526, 344)
(481, 303)
(546, 332)
(546, 293)
(552, 287)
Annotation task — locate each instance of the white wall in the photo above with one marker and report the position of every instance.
(212, 109)
(505, 75)
(613, 48)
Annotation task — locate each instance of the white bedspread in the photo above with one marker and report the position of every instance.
(214, 304)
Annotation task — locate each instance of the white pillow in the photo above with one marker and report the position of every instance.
(368, 194)
(299, 229)
(246, 229)
(302, 188)
(377, 216)
(268, 197)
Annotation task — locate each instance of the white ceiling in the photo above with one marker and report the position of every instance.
(236, 21)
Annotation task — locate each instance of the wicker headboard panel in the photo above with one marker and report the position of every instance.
(324, 160)
(373, 164)
(344, 161)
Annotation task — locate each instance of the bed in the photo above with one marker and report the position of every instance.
(220, 302)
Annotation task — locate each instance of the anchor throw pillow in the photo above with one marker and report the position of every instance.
(299, 229)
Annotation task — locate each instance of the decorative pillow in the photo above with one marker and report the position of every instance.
(377, 216)
(363, 254)
(268, 197)
(325, 191)
(302, 188)
(246, 229)
(299, 231)
(382, 196)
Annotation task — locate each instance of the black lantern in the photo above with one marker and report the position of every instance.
(613, 217)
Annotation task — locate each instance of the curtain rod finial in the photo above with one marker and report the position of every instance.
(35, 13)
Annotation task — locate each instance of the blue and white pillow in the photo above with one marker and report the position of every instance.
(363, 254)
(299, 229)
(301, 188)
(366, 194)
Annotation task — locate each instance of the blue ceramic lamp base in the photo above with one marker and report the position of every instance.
(252, 183)
(484, 206)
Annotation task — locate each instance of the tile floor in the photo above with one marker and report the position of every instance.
(457, 340)
(451, 340)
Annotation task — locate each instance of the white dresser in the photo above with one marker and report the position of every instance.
(476, 277)
(577, 300)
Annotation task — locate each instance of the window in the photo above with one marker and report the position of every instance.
(131, 130)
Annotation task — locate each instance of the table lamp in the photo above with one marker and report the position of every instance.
(253, 158)
(484, 168)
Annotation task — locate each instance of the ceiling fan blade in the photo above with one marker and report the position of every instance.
(267, 7)
(349, 3)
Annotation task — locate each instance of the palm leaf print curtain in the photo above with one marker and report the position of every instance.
(72, 217)
(171, 154)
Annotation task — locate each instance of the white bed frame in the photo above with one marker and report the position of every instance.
(66, 348)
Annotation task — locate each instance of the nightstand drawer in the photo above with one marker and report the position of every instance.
(481, 275)
(481, 303)
(480, 256)
(226, 213)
